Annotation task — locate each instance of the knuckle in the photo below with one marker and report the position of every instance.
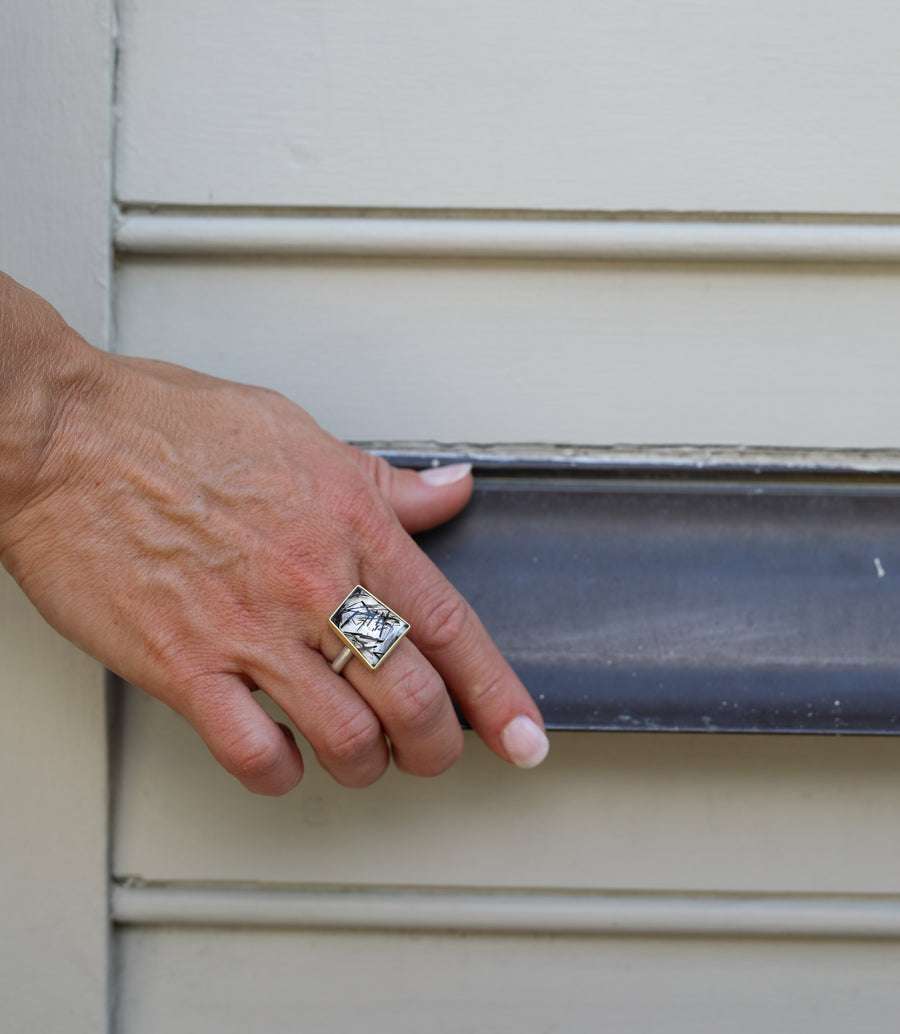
(379, 471)
(484, 694)
(292, 567)
(436, 761)
(445, 619)
(353, 741)
(354, 499)
(167, 648)
(362, 521)
(416, 701)
(256, 759)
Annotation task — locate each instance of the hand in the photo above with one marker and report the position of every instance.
(194, 535)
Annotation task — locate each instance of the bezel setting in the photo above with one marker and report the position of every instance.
(368, 626)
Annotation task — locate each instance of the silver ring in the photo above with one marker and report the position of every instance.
(368, 628)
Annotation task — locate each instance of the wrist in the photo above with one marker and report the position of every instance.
(46, 372)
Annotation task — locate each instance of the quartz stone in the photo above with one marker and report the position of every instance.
(369, 627)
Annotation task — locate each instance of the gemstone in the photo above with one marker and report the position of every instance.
(369, 627)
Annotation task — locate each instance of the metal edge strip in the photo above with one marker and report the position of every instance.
(643, 460)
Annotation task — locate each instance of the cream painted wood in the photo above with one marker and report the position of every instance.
(508, 911)
(53, 811)
(615, 811)
(183, 981)
(447, 910)
(55, 91)
(511, 237)
(55, 122)
(269, 160)
(511, 104)
(590, 352)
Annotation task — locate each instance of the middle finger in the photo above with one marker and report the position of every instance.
(412, 704)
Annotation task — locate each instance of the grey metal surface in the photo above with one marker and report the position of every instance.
(754, 605)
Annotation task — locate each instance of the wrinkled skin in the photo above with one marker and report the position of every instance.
(194, 535)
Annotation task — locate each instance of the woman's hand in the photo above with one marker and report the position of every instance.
(194, 535)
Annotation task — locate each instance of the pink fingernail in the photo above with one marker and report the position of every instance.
(445, 475)
(525, 742)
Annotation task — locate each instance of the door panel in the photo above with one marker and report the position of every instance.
(687, 106)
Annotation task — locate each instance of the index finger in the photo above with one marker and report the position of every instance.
(449, 634)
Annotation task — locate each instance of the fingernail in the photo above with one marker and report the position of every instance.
(525, 742)
(445, 475)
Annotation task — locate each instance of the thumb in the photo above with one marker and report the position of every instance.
(421, 499)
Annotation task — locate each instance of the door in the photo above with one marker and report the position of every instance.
(662, 236)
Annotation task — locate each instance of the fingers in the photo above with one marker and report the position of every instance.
(449, 635)
(420, 499)
(450, 638)
(343, 730)
(345, 719)
(346, 735)
(244, 740)
(414, 709)
(356, 723)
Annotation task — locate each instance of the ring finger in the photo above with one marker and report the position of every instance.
(403, 690)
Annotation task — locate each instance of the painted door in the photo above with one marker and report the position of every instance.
(55, 222)
(631, 226)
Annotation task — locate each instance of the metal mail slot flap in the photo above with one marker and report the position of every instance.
(749, 603)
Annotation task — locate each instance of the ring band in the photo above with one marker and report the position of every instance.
(368, 628)
(337, 665)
